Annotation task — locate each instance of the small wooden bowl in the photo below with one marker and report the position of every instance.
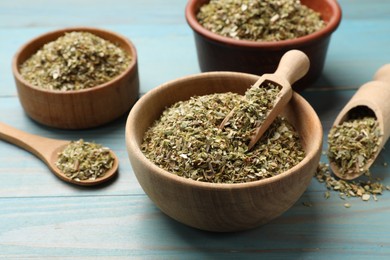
(78, 109)
(220, 207)
(219, 53)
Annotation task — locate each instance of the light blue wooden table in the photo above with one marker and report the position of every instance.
(43, 217)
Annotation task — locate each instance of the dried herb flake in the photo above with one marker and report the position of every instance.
(259, 20)
(75, 61)
(353, 144)
(364, 187)
(187, 141)
(85, 160)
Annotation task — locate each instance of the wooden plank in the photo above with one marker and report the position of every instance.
(27, 14)
(130, 226)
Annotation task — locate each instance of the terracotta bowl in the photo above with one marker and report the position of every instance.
(219, 53)
(220, 207)
(78, 109)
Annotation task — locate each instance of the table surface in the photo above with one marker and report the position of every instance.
(43, 217)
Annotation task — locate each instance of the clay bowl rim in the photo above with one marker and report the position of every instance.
(134, 148)
(331, 26)
(16, 62)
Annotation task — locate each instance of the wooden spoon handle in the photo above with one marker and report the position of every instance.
(293, 65)
(37, 145)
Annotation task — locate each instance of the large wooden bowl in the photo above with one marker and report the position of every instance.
(78, 109)
(219, 53)
(220, 207)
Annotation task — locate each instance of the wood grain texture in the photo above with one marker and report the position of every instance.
(44, 218)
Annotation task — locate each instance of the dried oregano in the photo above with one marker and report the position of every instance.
(353, 144)
(366, 187)
(251, 111)
(259, 20)
(75, 61)
(85, 160)
(187, 141)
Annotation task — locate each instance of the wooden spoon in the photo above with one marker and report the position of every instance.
(47, 150)
(374, 96)
(292, 66)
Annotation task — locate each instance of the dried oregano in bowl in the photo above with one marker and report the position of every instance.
(77, 77)
(77, 60)
(255, 20)
(201, 102)
(251, 36)
(187, 141)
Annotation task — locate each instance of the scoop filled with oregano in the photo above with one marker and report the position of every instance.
(269, 95)
(353, 146)
(361, 129)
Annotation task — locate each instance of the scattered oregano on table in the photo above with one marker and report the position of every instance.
(186, 141)
(85, 160)
(75, 61)
(259, 20)
(366, 187)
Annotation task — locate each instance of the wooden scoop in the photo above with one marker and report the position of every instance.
(47, 150)
(375, 96)
(292, 66)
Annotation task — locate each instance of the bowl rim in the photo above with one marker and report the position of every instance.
(331, 26)
(60, 32)
(136, 112)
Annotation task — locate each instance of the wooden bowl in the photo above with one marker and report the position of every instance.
(211, 206)
(78, 109)
(219, 53)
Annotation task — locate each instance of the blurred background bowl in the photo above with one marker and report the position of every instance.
(211, 206)
(219, 53)
(78, 109)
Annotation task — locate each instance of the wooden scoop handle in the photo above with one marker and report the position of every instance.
(293, 66)
(383, 74)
